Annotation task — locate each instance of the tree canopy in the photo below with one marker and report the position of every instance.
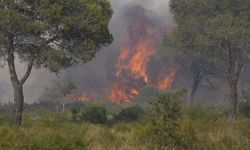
(219, 30)
(53, 34)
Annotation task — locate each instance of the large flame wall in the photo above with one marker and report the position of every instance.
(133, 63)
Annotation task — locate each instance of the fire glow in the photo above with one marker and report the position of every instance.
(133, 63)
(80, 98)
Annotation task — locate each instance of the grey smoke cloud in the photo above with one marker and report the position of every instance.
(96, 74)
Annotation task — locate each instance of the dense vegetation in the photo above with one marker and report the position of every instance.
(211, 37)
(50, 34)
(163, 124)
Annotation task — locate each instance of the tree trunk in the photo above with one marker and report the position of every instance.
(241, 92)
(233, 85)
(18, 104)
(16, 83)
(193, 92)
(236, 63)
(63, 107)
(233, 81)
(18, 92)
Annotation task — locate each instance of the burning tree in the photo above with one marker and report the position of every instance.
(50, 34)
(135, 56)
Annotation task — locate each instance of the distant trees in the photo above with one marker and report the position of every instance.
(181, 48)
(59, 92)
(219, 30)
(51, 34)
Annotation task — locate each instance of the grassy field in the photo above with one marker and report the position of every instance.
(44, 130)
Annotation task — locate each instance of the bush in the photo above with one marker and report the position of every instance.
(244, 109)
(5, 119)
(162, 130)
(94, 114)
(205, 113)
(130, 114)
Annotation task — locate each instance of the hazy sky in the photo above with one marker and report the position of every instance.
(42, 78)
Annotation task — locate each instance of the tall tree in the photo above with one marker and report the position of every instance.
(222, 28)
(50, 33)
(176, 48)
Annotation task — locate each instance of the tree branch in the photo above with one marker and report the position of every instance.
(11, 62)
(28, 71)
(30, 65)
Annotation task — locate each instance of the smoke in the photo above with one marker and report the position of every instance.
(98, 74)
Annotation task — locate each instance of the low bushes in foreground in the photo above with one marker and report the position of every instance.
(165, 125)
(218, 135)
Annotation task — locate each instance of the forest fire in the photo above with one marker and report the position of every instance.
(80, 98)
(133, 63)
(166, 81)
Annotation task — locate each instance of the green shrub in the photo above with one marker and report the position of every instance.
(75, 116)
(130, 114)
(45, 131)
(204, 113)
(244, 109)
(94, 114)
(5, 119)
(162, 130)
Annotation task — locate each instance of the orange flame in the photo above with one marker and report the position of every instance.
(80, 98)
(132, 67)
(167, 80)
(133, 61)
(136, 54)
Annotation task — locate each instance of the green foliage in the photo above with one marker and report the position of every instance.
(39, 138)
(162, 129)
(94, 114)
(129, 114)
(145, 96)
(77, 29)
(75, 115)
(52, 34)
(111, 107)
(244, 109)
(204, 113)
(46, 118)
(55, 131)
(218, 30)
(5, 119)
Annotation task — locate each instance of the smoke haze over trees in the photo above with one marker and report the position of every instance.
(98, 73)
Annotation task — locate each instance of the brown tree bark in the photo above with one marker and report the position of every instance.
(18, 91)
(236, 62)
(18, 105)
(193, 92)
(234, 80)
(233, 86)
(16, 83)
